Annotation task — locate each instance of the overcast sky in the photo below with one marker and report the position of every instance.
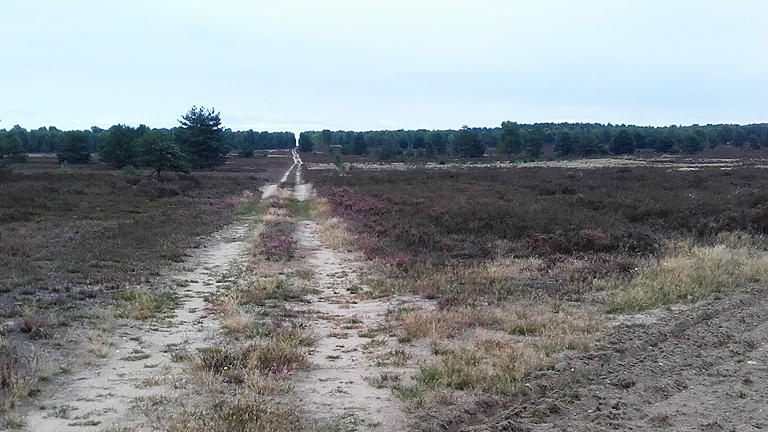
(362, 65)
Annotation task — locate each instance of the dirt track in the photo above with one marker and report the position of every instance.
(138, 365)
(698, 369)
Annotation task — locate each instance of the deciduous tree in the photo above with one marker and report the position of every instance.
(359, 146)
(622, 143)
(534, 142)
(305, 142)
(119, 149)
(510, 139)
(565, 144)
(75, 150)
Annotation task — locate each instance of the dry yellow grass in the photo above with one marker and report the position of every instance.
(446, 323)
(333, 229)
(517, 338)
(237, 322)
(490, 365)
(689, 273)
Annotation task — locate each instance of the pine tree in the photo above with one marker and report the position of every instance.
(202, 137)
(622, 143)
(75, 150)
(468, 143)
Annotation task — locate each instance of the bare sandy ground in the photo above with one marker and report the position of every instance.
(701, 368)
(337, 391)
(336, 387)
(102, 392)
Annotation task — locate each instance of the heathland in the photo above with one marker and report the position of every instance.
(566, 295)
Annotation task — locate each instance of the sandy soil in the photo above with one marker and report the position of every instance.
(336, 386)
(335, 391)
(685, 369)
(137, 368)
(697, 369)
(615, 162)
(101, 392)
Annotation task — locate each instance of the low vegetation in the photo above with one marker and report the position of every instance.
(246, 373)
(499, 232)
(521, 265)
(83, 246)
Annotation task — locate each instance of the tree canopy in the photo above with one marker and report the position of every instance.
(160, 152)
(202, 137)
(622, 143)
(510, 139)
(75, 151)
(468, 143)
(305, 142)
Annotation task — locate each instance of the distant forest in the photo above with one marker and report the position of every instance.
(53, 140)
(510, 139)
(528, 140)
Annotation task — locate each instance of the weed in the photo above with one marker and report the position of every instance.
(146, 304)
(397, 358)
(273, 288)
(347, 422)
(250, 208)
(11, 421)
(237, 323)
(304, 274)
(301, 209)
(277, 356)
(136, 355)
(219, 360)
(412, 394)
(373, 344)
(35, 326)
(62, 411)
(19, 368)
(383, 380)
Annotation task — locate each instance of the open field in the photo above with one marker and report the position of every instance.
(84, 246)
(447, 297)
(546, 283)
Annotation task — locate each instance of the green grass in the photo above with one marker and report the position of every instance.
(251, 208)
(302, 210)
(145, 304)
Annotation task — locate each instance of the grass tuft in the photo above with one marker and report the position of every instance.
(19, 371)
(689, 274)
(145, 304)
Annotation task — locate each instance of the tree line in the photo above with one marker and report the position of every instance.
(199, 142)
(528, 140)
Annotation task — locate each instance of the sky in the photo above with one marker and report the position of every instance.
(293, 65)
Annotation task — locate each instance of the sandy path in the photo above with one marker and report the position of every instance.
(336, 388)
(138, 371)
(138, 365)
(269, 190)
